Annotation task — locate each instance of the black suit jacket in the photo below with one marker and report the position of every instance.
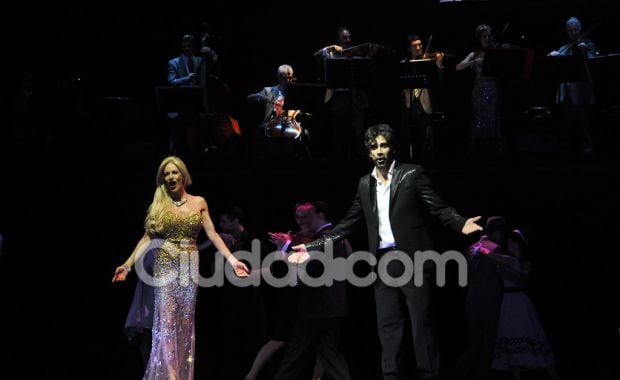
(323, 301)
(412, 198)
(267, 96)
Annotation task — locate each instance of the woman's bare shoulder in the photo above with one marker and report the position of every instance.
(197, 201)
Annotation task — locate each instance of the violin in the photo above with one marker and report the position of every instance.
(496, 44)
(581, 39)
(576, 46)
(433, 56)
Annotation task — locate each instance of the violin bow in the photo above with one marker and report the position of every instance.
(570, 46)
(499, 38)
(428, 45)
(355, 47)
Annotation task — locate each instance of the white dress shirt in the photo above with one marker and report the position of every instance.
(386, 237)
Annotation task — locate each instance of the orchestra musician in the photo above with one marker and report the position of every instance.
(486, 139)
(417, 107)
(184, 71)
(576, 99)
(346, 107)
(279, 133)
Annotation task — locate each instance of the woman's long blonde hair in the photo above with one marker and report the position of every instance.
(162, 198)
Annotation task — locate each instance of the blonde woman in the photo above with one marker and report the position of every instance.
(172, 224)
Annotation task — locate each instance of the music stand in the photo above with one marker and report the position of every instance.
(306, 97)
(565, 68)
(418, 73)
(605, 72)
(350, 73)
(179, 99)
(508, 63)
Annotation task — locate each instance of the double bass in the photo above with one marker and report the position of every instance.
(215, 126)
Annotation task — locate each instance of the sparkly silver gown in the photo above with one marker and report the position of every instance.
(176, 263)
(486, 136)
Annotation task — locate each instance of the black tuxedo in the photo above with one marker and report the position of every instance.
(320, 314)
(412, 198)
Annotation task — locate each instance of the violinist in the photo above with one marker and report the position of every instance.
(417, 107)
(416, 50)
(576, 99)
(486, 140)
(346, 108)
(579, 44)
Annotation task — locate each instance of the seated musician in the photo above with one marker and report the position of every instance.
(278, 133)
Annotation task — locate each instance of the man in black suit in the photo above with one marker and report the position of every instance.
(394, 199)
(320, 309)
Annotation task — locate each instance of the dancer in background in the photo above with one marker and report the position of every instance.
(521, 343)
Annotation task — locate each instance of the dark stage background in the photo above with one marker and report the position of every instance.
(73, 196)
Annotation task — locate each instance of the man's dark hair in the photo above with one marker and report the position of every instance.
(322, 207)
(413, 37)
(319, 207)
(379, 130)
(234, 212)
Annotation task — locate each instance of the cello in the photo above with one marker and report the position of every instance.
(283, 123)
